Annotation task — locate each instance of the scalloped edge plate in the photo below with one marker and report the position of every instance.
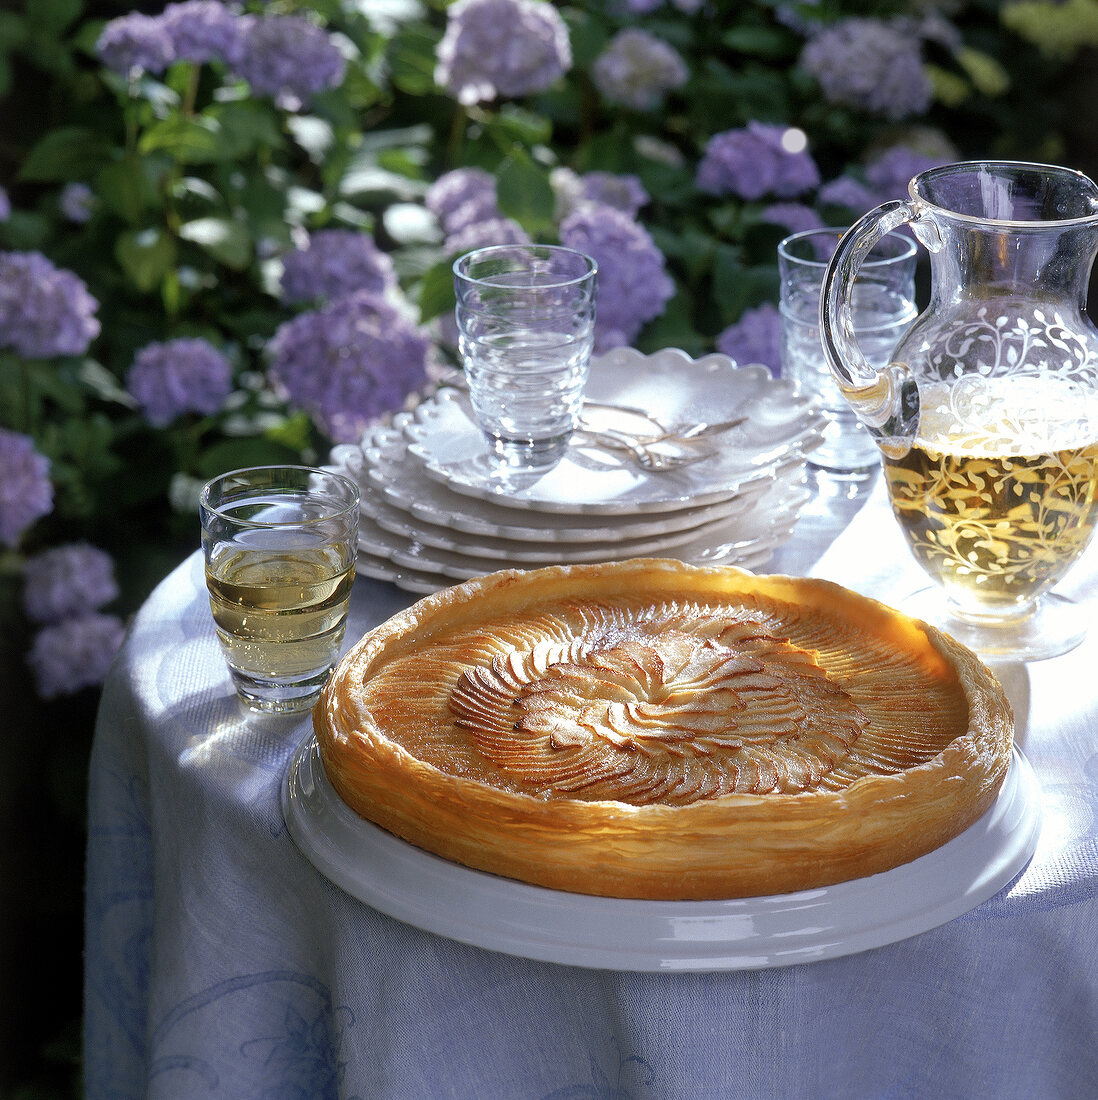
(782, 425)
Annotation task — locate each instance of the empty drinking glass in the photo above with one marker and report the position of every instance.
(526, 323)
(883, 308)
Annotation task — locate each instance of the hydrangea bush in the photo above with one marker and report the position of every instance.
(231, 243)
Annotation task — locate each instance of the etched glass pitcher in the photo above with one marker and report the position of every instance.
(987, 415)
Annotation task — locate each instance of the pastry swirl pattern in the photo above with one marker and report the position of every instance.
(669, 705)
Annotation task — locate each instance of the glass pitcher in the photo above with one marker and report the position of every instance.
(987, 415)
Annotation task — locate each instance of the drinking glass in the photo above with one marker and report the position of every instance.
(526, 324)
(279, 544)
(883, 308)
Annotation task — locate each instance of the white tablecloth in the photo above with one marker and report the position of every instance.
(220, 963)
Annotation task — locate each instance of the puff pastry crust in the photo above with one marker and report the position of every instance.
(649, 729)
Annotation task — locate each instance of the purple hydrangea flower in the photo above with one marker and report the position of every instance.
(333, 263)
(462, 197)
(349, 363)
(637, 70)
(498, 230)
(624, 192)
(75, 654)
(870, 66)
(288, 58)
(26, 492)
(794, 217)
(67, 581)
(501, 48)
(203, 30)
(755, 338)
(890, 172)
(77, 202)
(135, 43)
(179, 376)
(634, 286)
(44, 310)
(760, 159)
(845, 191)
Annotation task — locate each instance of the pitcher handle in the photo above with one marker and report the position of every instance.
(885, 400)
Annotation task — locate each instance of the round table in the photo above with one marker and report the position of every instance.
(221, 962)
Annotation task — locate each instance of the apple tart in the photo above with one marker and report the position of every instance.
(649, 729)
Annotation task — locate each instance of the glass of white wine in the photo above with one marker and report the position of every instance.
(279, 544)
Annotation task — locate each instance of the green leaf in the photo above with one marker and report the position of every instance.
(411, 59)
(436, 292)
(146, 255)
(234, 454)
(294, 432)
(525, 194)
(524, 127)
(226, 240)
(674, 328)
(53, 16)
(241, 128)
(737, 286)
(13, 31)
(124, 186)
(185, 140)
(767, 42)
(102, 383)
(70, 153)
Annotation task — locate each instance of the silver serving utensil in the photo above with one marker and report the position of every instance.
(656, 455)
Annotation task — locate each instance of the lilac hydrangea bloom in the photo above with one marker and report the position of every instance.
(135, 43)
(75, 654)
(349, 363)
(44, 310)
(795, 217)
(288, 58)
(637, 70)
(67, 581)
(759, 159)
(77, 202)
(634, 286)
(26, 492)
(501, 48)
(178, 376)
(870, 66)
(333, 263)
(845, 191)
(462, 197)
(622, 192)
(203, 30)
(890, 172)
(482, 234)
(755, 338)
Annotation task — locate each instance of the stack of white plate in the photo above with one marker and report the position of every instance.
(437, 510)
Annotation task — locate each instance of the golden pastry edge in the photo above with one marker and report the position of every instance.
(739, 845)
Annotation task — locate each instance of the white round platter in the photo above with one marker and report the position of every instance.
(512, 917)
(780, 426)
(383, 462)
